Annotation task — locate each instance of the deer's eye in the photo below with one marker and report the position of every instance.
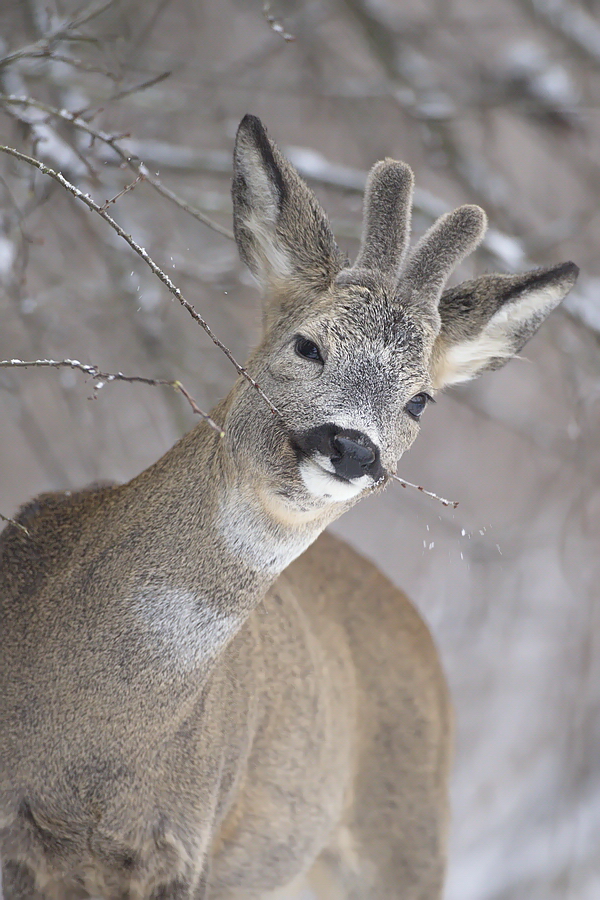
(417, 404)
(307, 349)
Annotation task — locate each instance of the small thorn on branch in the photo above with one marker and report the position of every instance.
(417, 487)
(274, 24)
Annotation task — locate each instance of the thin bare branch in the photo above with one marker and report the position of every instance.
(49, 54)
(143, 86)
(135, 164)
(160, 274)
(102, 378)
(572, 21)
(417, 487)
(89, 12)
(55, 149)
(64, 30)
(126, 189)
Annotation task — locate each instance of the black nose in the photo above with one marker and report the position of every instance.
(353, 456)
(351, 453)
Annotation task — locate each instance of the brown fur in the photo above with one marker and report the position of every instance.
(189, 708)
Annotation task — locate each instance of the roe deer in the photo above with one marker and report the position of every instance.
(179, 716)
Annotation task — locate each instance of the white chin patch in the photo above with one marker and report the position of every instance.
(320, 480)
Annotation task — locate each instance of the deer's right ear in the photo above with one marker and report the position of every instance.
(280, 228)
(486, 321)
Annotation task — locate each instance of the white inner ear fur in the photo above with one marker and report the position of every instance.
(264, 192)
(531, 305)
(273, 262)
(463, 361)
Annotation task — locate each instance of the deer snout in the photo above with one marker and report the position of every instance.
(353, 456)
(346, 453)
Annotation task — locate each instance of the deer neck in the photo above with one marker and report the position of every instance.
(222, 537)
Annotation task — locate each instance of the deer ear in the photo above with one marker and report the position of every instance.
(281, 230)
(486, 321)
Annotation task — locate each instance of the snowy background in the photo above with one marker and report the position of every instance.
(494, 103)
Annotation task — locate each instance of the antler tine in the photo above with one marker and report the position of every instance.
(386, 218)
(442, 247)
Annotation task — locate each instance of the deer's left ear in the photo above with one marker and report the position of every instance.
(280, 228)
(486, 321)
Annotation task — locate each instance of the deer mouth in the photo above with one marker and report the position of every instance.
(317, 459)
(325, 465)
(322, 481)
(346, 455)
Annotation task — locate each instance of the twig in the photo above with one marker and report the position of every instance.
(49, 54)
(136, 165)
(143, 86)
(53, 147)
(173, 289)
(443, 501)
(15, 523)
(183, 204)
(62, 31)
(92, 11)
(126, 189)
(101, 378)
(275, 26)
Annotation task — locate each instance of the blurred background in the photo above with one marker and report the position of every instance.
(494, 103)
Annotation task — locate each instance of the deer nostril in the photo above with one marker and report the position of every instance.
(348, 449)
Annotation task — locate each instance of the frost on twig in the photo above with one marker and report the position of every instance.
(102, 378)
(417, 487)
(125, 149)
(274, 24)
(160, 274)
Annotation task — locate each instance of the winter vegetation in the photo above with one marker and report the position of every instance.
(122, 113)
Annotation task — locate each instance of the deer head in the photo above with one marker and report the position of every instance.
(351, 355)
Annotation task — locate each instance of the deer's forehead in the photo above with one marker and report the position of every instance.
(378, 323)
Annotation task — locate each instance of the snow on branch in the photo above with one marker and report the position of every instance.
(42, 47)
(160, 274)
(101, 378)
(129, 158)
